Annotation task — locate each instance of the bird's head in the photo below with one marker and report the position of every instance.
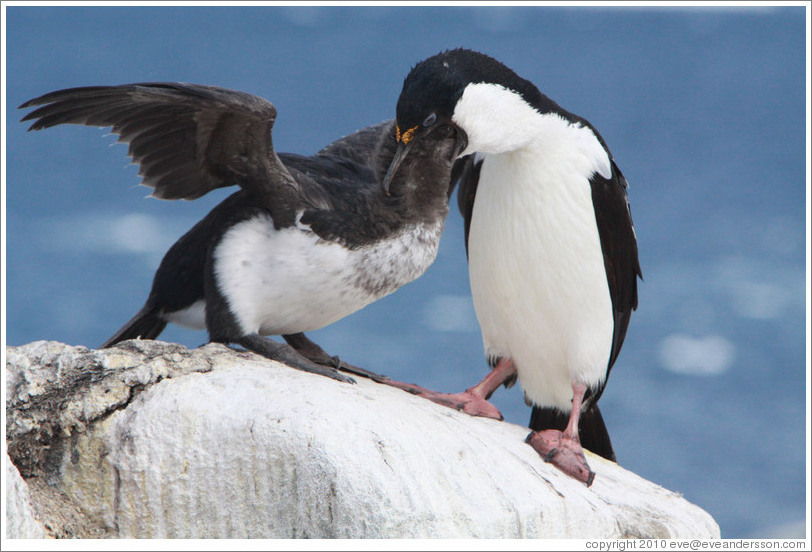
(485, 102)
(425, 106)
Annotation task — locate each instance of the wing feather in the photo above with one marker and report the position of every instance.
(188, 139)
(466, 172)
(619, 245)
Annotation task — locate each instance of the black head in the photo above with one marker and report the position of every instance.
(434, 86)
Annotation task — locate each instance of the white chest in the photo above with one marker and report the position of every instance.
(537, 272)
(288, 281)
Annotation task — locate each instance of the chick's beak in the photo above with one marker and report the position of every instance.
(404, 145)
(400, 155)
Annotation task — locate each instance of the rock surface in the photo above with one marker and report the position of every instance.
(21, 522)
(150, 439)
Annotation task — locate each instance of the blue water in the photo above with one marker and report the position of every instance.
(703, 110)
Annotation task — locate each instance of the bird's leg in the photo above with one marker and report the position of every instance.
(288, 355)
(563, 449)
(310, 350)
(473, 401)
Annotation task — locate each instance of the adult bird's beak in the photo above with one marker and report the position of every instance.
(404, 145)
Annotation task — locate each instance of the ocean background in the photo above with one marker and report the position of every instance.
(703, 109)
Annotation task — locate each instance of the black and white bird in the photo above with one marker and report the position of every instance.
(304, 242)
(552, 252)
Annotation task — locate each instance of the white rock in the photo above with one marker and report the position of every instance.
(256, 449)
(21, 523)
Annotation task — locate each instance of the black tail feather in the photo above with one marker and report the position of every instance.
(591, 428)
(146, 324)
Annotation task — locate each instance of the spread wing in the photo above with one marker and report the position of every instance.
(365, 146)
(349, 165)
(188, 139)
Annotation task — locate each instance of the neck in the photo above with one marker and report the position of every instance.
(499, 121)
(559, 142)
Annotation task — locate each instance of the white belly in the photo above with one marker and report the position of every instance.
(288, 281)
(538, 278)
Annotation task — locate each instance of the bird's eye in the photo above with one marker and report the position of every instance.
(430, 120)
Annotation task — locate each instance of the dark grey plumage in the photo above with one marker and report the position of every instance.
(190, 139)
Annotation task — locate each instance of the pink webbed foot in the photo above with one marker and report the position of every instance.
(467, 401)
(473, 401)
(563, 452)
